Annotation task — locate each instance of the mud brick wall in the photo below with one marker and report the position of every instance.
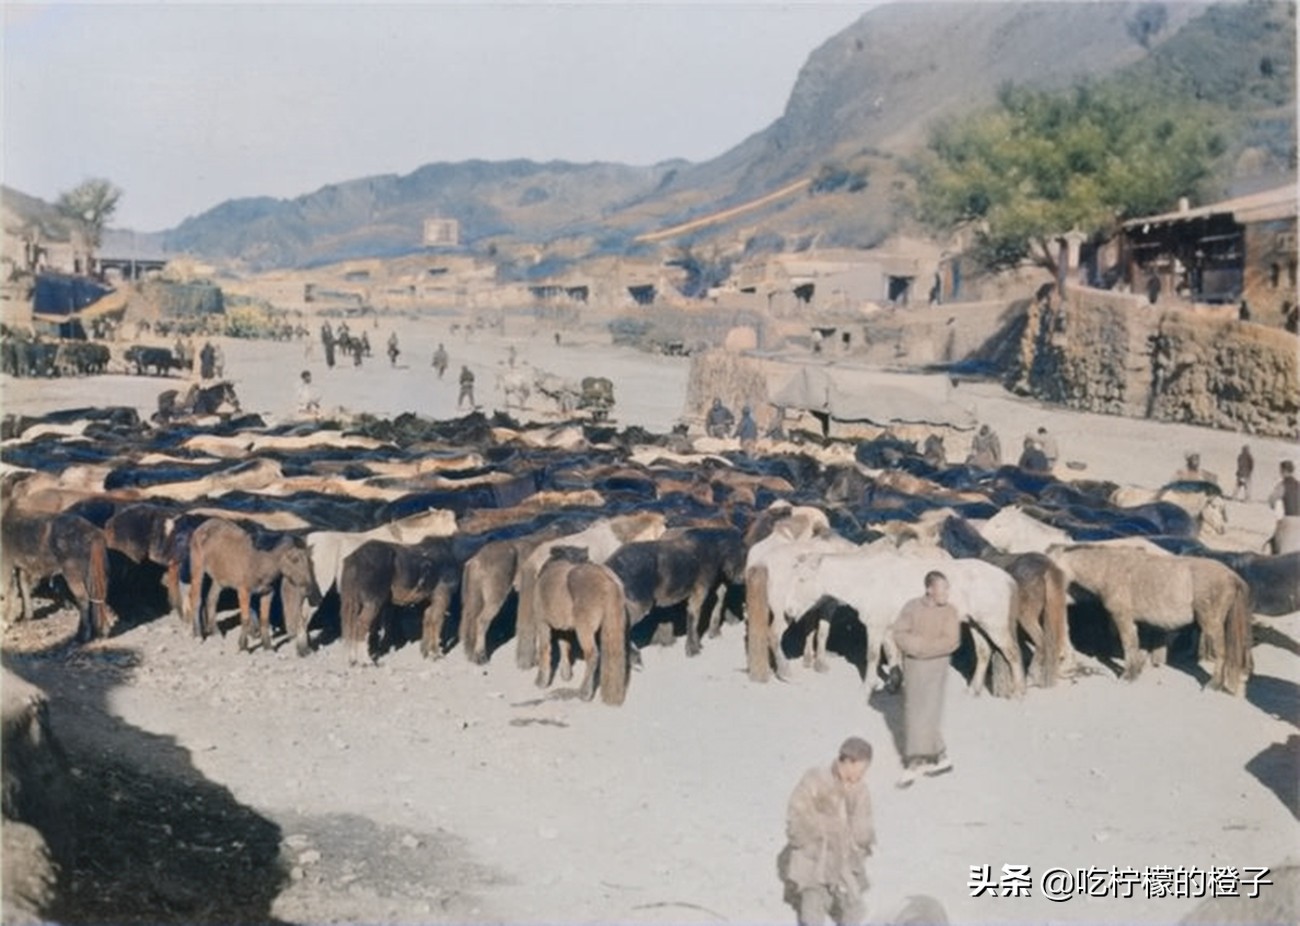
(1226, 374)
(1112, 353)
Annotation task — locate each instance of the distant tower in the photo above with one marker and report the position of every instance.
(441, 233)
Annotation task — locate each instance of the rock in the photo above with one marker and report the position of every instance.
(410, 842)
(297, 841)
(310, 857)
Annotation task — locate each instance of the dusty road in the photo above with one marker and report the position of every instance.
(442, 792)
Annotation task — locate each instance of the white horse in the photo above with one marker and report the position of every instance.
(877, 585)
(514, 383)
(769, 565)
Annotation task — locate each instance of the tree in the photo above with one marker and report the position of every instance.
(1041, 164)
(88, 207)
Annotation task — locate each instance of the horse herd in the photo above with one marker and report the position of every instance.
(610, 539)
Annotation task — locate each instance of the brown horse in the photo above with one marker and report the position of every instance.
(488, 579)
(39, 547)
(378, 573)
(252, 565)
(1168, 593)
(600, 540)
(587, 599)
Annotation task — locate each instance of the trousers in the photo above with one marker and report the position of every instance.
(817, 902)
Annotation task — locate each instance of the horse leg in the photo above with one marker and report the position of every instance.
(983, 653)
(264, 620)
(245, 616)
(1128, 638)
(542, 656)
(1214, 631)
(587, 643)
(526, 643)
(715, 616)
(1160, 652)
(819, 653)
(172, 582)
(358, 643)
(694, 607)
(209, 612)
(434, 615)
(566, 660)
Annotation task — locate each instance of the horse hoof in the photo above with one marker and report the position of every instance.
(821, 665)
(693, 648)
(975, 690)
(303, 648)
(715, 632)
(479, 659)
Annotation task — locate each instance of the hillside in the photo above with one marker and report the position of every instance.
(860, 106)
(384, 215)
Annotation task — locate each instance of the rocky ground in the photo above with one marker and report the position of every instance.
(215, 786)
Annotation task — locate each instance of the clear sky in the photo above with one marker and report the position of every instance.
(184, 105)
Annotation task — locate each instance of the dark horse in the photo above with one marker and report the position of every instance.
(40, 546)
(378, 573)
(251, 564)
(683, 565)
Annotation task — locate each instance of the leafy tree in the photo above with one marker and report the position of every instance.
(88, 207)
(1040, 164)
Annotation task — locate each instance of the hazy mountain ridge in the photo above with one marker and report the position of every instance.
(860, 106)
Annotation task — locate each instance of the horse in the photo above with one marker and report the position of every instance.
(488, 579)
(683, 565)
(1168, 593)
(1041, 600)
(585, 598)
(1013, 531)
(252, 564)
(878, 585)
(40, 547)
(563, 392)
(768, 566)
(330, 548)
(378, 573)
(514, 383)
(600, 540)
(1203, 501)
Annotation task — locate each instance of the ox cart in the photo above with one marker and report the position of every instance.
(597, 397)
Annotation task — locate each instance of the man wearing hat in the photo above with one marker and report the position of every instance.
(830, 832)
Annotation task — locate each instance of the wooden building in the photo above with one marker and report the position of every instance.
(1225, 252)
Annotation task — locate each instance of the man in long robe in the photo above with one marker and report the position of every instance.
(927, 632)
(831, 832)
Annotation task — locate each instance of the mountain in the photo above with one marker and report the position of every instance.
(384, 215)
(835, 159)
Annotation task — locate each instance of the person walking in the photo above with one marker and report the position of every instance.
(1245, 470)
(393, 349)
(207, 361)
(440, 360)
(466, 387)
(830, 833)
(927, 632)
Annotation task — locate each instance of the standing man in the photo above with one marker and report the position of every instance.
(747, 430)
(1032, 458)
(1287, 492)
(927, 632)
(440, 360)
(466, 387)
(393, 350)
(308, 397)
(207, 361)
(830, 831)
(719, 421)
(1047, 444)
(985, 449)
(1245, 469)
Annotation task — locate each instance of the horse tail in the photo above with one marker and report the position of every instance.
(97, 583)
(1055, 630)
(1238, 661)
(757, 620)
(613, 646)
(471, 607)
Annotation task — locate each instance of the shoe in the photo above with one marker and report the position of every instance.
(942, 767)
(907, 779)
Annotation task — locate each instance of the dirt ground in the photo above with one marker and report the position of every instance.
(228, 787)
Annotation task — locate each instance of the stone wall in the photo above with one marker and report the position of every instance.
(1112, 353)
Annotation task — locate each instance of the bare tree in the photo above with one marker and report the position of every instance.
(88, 207)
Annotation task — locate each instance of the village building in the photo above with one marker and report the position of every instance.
(1241, 249)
